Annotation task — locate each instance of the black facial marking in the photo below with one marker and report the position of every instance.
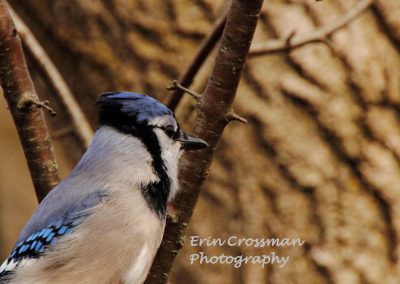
(123, 112)
(111, 114)
(171, 132)
(155, 193)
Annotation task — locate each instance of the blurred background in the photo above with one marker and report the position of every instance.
(318, 160)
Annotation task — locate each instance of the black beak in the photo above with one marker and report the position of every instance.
(191, 143)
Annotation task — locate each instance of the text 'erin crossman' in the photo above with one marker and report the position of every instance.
(238, 260)
(234, 241)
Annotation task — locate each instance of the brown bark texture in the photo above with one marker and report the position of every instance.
(208, 44)
(25, 108)
(214, 113)
(319, 158)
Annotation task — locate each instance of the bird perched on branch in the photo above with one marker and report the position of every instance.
(104, 222)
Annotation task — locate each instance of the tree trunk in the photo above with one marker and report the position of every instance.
(319, 159)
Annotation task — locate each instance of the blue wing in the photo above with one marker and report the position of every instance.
(63, 209)
(35, 245)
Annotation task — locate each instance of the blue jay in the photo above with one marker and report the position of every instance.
(105, 221)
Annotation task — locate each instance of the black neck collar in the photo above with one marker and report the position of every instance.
(156, 193)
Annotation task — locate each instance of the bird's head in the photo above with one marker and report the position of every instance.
(138, 114)
(138, 142)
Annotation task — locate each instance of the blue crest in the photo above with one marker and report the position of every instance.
(121, 108)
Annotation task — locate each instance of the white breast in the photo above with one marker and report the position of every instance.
(140, 266)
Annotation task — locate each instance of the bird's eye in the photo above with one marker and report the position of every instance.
(170, 131)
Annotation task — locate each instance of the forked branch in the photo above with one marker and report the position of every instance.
(186, 79)
(176, 86)
(80, 125)
(209, 125)
(317, 35)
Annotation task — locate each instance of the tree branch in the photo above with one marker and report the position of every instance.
(209, 124)
(318, 35)
(80, 124)
(176, 86)
(231, 116)
(204, 50)
(22, 101)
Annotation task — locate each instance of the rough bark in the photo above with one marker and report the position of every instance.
(187, 77)
(319, 158)
(81, 126)
(25, 108)
(214, 113)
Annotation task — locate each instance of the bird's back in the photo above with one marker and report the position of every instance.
(115, 244)
(114, 229)
(104, 223)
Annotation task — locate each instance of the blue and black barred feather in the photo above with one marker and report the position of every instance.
(44, 231)
(35, 245)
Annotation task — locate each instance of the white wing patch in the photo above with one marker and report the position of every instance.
(9, 265)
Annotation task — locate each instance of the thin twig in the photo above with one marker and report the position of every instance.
(57, 134)
(80, 124)
(203, 52)
(317, 35)
(231, 116)
(209, 125)
(22, 101)
(176, 86)
(46, 105)
(27, 102)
